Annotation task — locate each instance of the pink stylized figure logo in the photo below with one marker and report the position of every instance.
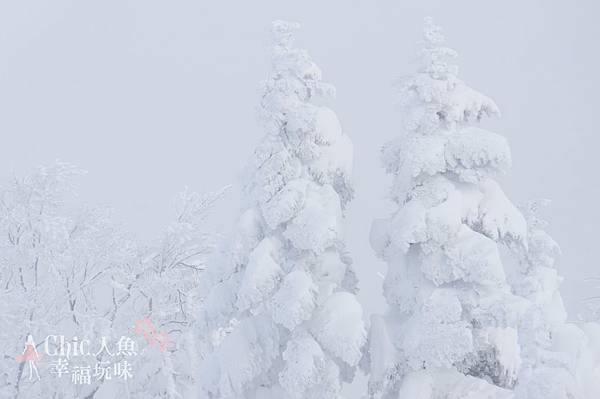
(30, 355)
(146, 328)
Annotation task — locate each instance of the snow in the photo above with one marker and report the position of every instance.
(588, 370)
(405, 286)
(441, 104)
(466, 104)
(281, 319)
(415, 155)
(453, 385)
(289, 325)
(410, 158)
(245, 353)
(286, 204)
(318, 224)
(381, 353)
(335, 159)
(469, 256)
(248, 233)
(275, 168)
(499, 218)
(436, 336)
(506, 342)
(95, 281)
(339, 327)
(262, 275)
(418, 385)
(453, 317)
(294, 302)
(220, 303)
(560, 359)
(447, 384)
(327, 126)
(475, 153)
(444, 221)
(308, 373)
(330, 268)
(379, 237)
(408, 226)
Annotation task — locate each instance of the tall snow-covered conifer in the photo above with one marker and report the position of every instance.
(282, 310)
(452, 323)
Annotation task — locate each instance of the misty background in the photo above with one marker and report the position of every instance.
(152, 96)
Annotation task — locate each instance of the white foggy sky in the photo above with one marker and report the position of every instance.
(150, 96)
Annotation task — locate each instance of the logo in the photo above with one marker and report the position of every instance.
(84, 361)
(31, 356)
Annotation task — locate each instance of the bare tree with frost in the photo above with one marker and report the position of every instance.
(27, 210)
(51, 264)
(282, 312)
(451, 329)
(164, 285)
(73, 272)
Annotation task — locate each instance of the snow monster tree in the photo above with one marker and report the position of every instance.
(559, 358)
(282, 309)
(451, 328)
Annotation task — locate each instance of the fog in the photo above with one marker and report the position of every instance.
(152, 96)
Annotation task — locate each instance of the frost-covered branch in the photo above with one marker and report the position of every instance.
(58, 263)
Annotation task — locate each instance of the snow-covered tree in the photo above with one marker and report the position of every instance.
(559, 358)
(451, 328)
(52, 262)
(166, 288)
(73, 272)
(282, 311)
